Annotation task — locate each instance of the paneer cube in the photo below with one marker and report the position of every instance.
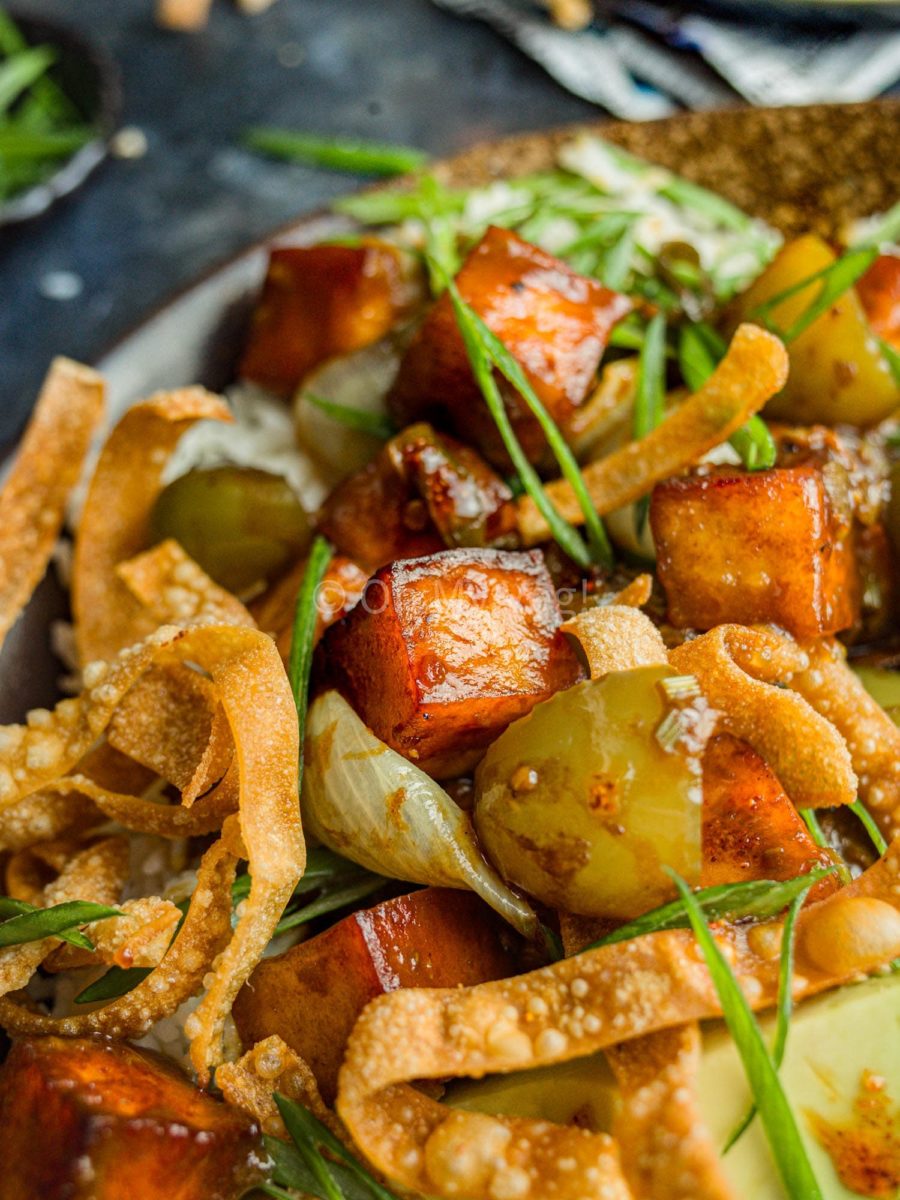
(321, 301)
(443, 652)
(312, 995)
(554, 322)
(92, 1119)
(751, 829)
(770, 546)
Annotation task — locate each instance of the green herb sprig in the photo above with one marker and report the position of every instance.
(836, 279)
(756, 899)
(354, 155)
(305, 1168)
(785, 1004)
(358, 419)
(868, 822)
(305, 616)
(775, 1112)
(26, 923)
(649, 396)
(487, 353)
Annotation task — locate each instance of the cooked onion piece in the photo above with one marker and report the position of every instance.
(115, 518)
(573, 1008)
(370, 804)
(177, 591)
(871, 736)
(667, 1152)
(753, 370)
(616, 637)
(737, 668)
(46, 468)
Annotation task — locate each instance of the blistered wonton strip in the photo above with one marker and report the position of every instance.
(116, 514)
(255, 695)
(754, 368)
(871, 736)
(667, 1151)
(738, 668)
(45, 816)
(177, 591)
(179, 976)
(46, 468)
(142, 815)
(137, 938)
(616, 637)
(272, 1066)
(573, 1008)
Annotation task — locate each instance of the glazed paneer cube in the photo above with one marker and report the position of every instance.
(554, 322)
(93, 1119)
(751, 829)
(443, 652)
(321, 301)
(770, 546)
(312, 995)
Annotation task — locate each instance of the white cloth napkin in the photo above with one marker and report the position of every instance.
(660, 59)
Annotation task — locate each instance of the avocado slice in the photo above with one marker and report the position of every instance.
(833, 1040)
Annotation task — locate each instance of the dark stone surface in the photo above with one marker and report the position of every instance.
(398, 70)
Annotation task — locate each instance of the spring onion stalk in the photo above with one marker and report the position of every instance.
(486, 352)
(115, 982)
(755, 899)
(310, 1136)
(354, 418)
(836, 279)
(22, 71)
(775, 1112)
(30, 924)
(649, 397)
(331, 902)
(755, 444)
(886, 231)
(305, 618)
(817, 833)
(337, 154)
(785, 1005)
(867, 820)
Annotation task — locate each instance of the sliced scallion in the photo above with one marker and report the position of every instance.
(359, 419)
(836, 279)
(306, 615)
(337, 154)
(61, 920)
(868, 822)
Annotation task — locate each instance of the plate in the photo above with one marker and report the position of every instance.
(810, 12)
(798, 168)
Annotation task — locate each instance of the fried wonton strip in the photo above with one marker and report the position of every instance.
(45, 816)
(179, 976)
(175, 590)
(266, 753)
(270, 1067)
(114, 520)
(172, 722)
(737, 668)
(45, 470)
(572, 1008)
(667, 1152)
(616, 637)
(137, 938)
(637, 593)
(752, 371)
(148, 816)
(871, 736)
(94, 873)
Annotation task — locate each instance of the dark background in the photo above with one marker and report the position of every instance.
(398, 70)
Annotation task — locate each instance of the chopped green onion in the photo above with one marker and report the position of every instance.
(755, 444)
(115, 982)
(388, 206)
(616, 265)
(649, 397)
(627, 335)
(756, 899)
(354, 418)
(785, 1005)
(775, 1112)
(817, 833)
(868, 822)
(309, 1135)
(711, 205)
(330, 902)
(837, 278)
(23, 144)
(305, 617)
(887, 229)
(35, 924)
(337, 154)
(892, 357)
(486, 351)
